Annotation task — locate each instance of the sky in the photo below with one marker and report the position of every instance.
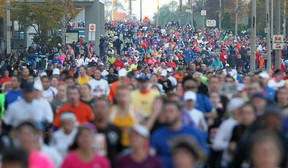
(149, 7)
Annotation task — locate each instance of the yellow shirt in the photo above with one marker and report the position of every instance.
(144, 102)
(83, 80)
(124, 123)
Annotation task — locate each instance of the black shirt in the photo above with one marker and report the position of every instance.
(168, 86)
(203, 89)
(113, 141)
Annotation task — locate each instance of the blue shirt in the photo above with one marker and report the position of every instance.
(12, 96)
(161, 141)
(56, 61)
(270, 93)
(217, 64)
(203, 103)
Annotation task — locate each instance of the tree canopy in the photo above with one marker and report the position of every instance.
(44, 17)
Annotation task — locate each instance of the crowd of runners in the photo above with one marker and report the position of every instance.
(151, 97)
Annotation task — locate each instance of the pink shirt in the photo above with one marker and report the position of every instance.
(37, 159)
(62, 58)
(72, 160)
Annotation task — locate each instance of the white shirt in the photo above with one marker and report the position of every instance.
(79, 62)
(99, 87)
(20, 111)
(50, 93)
(198, 119)
(53, 154)
(275, 85)
(104, 73)
(46, 107)
(223, 134)
(173, 80)
(62, 141)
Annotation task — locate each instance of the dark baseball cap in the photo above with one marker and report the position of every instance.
(142, 78)
(27, 86)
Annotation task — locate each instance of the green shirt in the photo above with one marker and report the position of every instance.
(2, 105)
(111, 60)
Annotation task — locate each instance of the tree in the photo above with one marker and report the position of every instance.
(44, 17)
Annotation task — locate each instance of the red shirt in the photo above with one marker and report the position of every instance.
(82, 111)
(5, 79)
(118, 63)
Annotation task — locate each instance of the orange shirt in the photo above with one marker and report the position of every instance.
(82, 112)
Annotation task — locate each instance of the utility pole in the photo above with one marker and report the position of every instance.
(8, 28)
(180, 12)
(268, 37)
(236, 18)
(158, 8)
(130, 9)
(192, 14)
(220, 14)
(272, 18)
(278, 32)
(190, 17)
(253, 38)
(140, 10)
(284, 20)
(203, 4)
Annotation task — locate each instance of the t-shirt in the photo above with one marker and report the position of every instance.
(124, 123)
(28, 111)
(82, 112)
(276, 85)
(83, 80)
(127, 162)
(203, 103)
(37, 159)
(72, 160)
(11, 96)
(50, 93)
(99, 87)
(113, 140)
(162, 138)
(144, 101)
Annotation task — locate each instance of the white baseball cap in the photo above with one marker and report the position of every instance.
(43, 74)
(234, 104)
(189, 95)
(56, 71)
(264, 75)
(141, 130)
(122, 73)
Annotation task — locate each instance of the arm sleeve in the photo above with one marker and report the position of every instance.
(208, 105)
(90, 114)
(56, 122)
(220, 143)
(49, 113)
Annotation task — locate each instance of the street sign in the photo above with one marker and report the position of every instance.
(211, 23)
(92, 27)
(278, 46)
(266, 30)
(203, 12)
(278, 41)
